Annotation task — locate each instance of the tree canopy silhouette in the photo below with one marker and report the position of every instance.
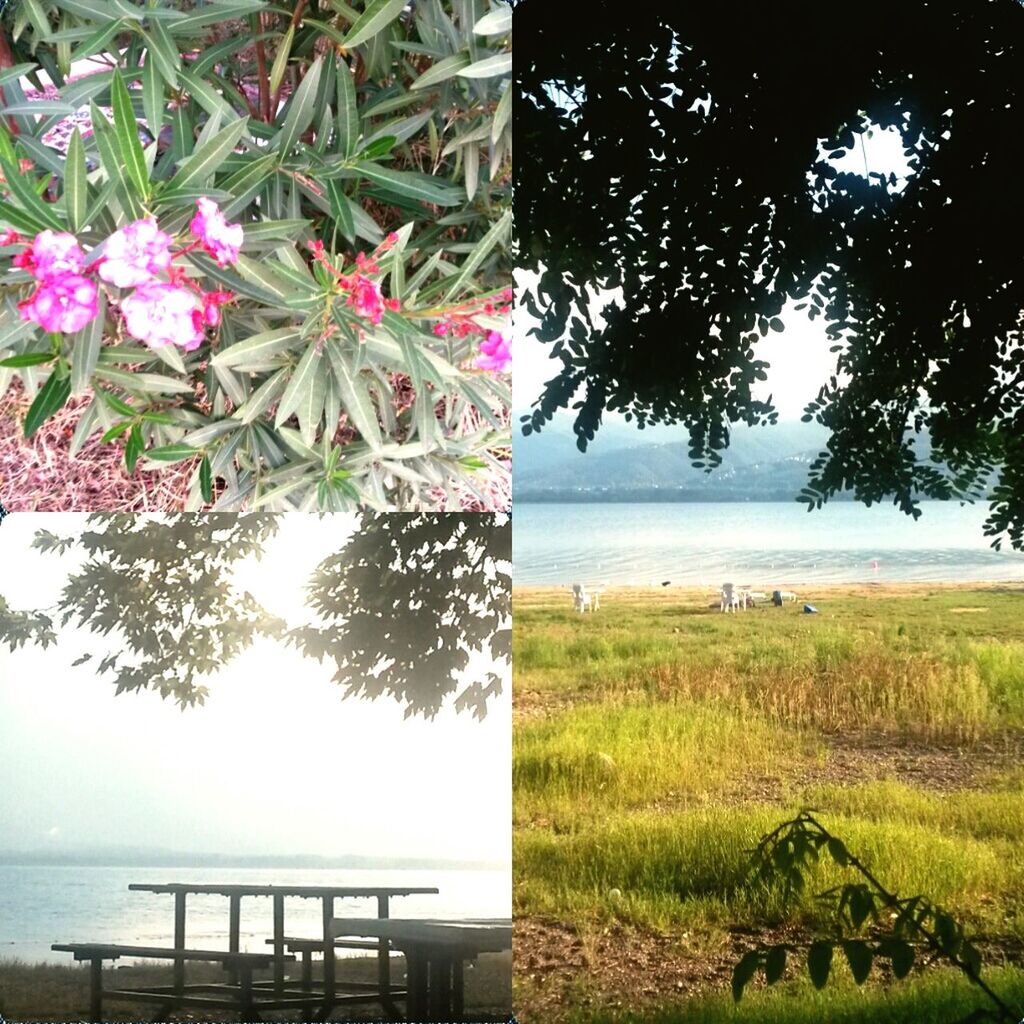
(407, 603)
(686, 155)
(399, 608)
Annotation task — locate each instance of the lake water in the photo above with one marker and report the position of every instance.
(41, 905)
(763, 544)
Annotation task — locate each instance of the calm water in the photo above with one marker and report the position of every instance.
(43, 905)
(763, 544)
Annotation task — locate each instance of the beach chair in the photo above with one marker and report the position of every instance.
(580, 598)
(730, 598)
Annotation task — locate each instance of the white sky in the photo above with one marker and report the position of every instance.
(274, 763)
(799, 357)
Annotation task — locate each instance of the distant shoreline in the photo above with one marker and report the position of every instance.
(888, 588)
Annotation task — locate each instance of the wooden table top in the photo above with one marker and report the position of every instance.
(479, 934)
(308, 891)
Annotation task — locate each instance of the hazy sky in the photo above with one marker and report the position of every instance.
(274, 763)
(799, 357)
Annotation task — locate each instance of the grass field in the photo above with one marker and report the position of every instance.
(657, 739)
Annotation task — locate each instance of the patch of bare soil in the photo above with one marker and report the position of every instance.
(557, 968)
(40, 475)
(854, 759)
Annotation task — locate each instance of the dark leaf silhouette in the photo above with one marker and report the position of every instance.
(683, 167)
(401, 609)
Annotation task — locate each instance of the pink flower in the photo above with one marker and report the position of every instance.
(212, 301)
(495, 354)
(62, 306)
(220, 239)
(366, 297)
(163, 314)
(134, 254)
(51, 255)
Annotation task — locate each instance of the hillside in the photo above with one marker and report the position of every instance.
(626, 464)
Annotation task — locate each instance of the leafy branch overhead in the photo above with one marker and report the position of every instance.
(690, 172)
(410, 604)
(415, 608)
(315, 201)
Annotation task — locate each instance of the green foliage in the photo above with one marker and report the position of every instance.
(312, 122)
(899, 924)
(693, 174)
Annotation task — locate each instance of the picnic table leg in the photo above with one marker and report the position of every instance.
(96, 990)
(179, 941)
(458, 989)
(328, 919)
(440, 988)
(245, 1007)
(234, 928)
(384, 958)
(278, 942)
(416, 984)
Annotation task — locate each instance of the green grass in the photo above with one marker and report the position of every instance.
(942, 997)
(657, 740)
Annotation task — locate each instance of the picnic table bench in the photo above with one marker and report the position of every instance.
(242, 996)
(435, 952)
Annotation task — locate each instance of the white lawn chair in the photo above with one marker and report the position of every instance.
(730, 598)
(580, 598)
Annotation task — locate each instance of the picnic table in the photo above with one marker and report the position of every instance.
(243, 993)
(327, 894)
(435, 952)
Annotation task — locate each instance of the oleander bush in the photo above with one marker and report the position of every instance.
(269, 238)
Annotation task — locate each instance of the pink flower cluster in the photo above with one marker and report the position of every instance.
(495, 353)
(157, 312)
(362, 294)
(219, 238)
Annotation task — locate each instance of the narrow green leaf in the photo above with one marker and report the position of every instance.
(76, 184)
(257, 349)
(284, 51)
(39, 107)
(442, 71)
(489, 67)
(22, 188)
(116, 431)
(153, 95)
(165, 53)
(85, 349)
(498, 231)
(300, 110)
(204, 162)
(28, 359)
(37, 15)
(133, 449)
(300, 386)
(171, 453)
(354, 396)
(497, 23)
(422, 187)
(246, 183)
(110, 158)
(377, 16)
(21, 220)
(50, 399)
(502, 112)
(206, 479)
(348, 114)
(341, 209)
(127, 134)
